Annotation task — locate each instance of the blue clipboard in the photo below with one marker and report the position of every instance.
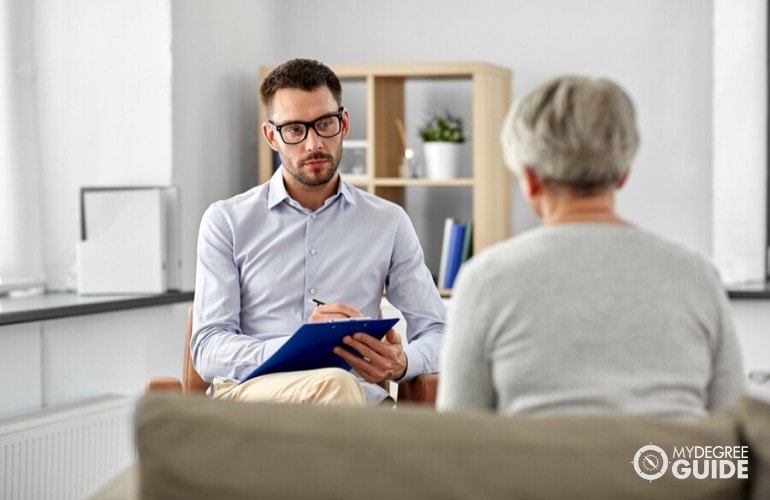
(310, 347)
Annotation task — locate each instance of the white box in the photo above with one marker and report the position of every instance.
(129, 241)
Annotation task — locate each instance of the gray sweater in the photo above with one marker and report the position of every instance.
(589, 319)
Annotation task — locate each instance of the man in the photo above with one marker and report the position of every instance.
(266, 258)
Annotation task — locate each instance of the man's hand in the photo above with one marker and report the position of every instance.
(382, 359)
(337, 310)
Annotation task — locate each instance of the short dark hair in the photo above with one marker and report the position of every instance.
(303, 74)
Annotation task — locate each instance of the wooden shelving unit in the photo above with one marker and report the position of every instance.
(385, 88)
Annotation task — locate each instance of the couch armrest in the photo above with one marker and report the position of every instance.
(420, 390)
(155, 384)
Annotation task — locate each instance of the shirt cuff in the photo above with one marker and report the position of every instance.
(413, 365)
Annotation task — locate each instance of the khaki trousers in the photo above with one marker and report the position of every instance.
(324, 386)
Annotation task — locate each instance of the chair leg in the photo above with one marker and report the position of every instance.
(420, 390)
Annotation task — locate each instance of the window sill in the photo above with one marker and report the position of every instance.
(46, 306)
(760, 290)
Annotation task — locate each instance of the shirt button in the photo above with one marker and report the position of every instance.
(312, 251)
(313, 215)
(312, 291)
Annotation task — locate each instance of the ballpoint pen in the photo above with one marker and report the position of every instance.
(319, 303)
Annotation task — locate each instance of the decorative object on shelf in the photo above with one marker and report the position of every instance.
(443, 138)
(409, 166)
(353, 158)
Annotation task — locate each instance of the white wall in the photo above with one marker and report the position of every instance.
(104, 81)
(217, 48)
(660, 50)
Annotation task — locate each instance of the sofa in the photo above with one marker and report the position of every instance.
(191, 447)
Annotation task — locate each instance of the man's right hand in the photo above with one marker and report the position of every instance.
(335, 310)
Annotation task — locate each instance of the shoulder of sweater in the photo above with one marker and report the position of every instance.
(534, 242)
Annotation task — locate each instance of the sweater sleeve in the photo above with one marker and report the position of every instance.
(466, 371)
(728, 382)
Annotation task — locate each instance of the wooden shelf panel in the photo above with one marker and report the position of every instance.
(402, 181)
(419, 70)
(365, 181)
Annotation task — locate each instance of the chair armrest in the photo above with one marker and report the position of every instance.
(420, 390)
(163, 384)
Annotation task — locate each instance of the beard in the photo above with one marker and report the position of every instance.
(322, 178)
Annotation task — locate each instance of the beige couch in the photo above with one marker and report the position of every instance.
(194, 448)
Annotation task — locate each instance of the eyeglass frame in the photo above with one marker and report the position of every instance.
(308, 126)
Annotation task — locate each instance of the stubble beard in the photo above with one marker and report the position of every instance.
(296, 169)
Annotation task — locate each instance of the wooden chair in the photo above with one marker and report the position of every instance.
(419, 390)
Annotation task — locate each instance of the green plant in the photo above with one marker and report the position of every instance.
(443, 128)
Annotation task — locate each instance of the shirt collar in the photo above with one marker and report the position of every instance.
(277, 191)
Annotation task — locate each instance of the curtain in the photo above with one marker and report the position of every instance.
(21, 256)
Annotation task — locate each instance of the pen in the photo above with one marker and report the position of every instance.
(319, 303)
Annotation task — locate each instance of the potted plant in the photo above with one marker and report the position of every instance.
(442, 136)
(443, 128)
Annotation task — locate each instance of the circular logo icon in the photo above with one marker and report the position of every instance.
(650, 462)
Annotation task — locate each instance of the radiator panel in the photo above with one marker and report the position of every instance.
(66, 452)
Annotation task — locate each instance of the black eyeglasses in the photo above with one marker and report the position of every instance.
(296, 132)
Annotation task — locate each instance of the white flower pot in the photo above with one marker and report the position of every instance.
(442, 159)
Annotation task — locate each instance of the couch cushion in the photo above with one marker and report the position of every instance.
(755, 420)
(196, 448)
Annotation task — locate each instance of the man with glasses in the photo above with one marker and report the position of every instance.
(308, 247)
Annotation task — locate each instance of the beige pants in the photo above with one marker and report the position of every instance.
(325, 386)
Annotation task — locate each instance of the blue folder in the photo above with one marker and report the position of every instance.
(310, 347)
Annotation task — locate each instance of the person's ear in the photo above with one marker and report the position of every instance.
(270, 135)
(345, 122)
(532, 188)
(623, 179)
(532, 184)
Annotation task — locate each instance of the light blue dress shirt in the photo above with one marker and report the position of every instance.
(262, 257)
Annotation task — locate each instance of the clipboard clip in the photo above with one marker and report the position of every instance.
(342, 320)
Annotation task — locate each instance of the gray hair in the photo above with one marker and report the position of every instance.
(574, 132)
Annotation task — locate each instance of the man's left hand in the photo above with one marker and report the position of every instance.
(382, 359)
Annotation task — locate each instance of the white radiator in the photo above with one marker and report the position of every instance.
(65, 452)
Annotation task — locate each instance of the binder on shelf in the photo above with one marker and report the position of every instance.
(454, 254)
(468, 242)
(456, 248)
(448, 223)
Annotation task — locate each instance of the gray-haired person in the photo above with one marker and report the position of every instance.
(587, 314)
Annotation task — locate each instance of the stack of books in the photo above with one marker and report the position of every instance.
(456, 248)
